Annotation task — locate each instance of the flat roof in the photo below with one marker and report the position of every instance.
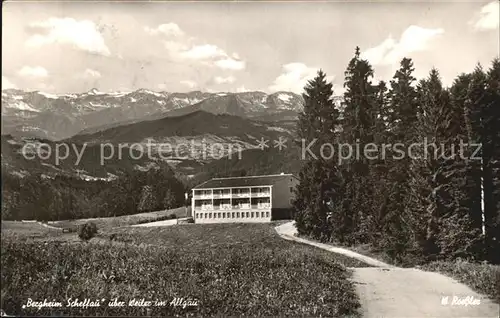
(247, 181)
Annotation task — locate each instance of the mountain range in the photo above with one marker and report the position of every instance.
(56, 117)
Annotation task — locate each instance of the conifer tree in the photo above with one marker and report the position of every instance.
(460, 231)
(434, 120)
(465, 94)
(358, 126)
(403, 117)
(318, 177)
(320, 116)
(491, 161)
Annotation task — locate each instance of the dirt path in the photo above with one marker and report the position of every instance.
(393, 292)
(49, 226)
(157, 223)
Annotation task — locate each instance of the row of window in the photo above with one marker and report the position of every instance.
(232, 215)
(234, 191)
(230, 207)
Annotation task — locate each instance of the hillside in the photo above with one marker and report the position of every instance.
(82, 163)
(196, 136)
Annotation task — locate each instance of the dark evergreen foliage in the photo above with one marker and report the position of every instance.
(420, 203)
(318, 179)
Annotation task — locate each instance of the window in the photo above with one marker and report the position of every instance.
(209, 215)
(232, 215)
(291, 189)
(248, 214)
(237, 214)
(218, 215)
(223, 215)
(267, 214)
(252, 214)
(197, 215)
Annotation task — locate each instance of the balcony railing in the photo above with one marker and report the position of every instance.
(203, 196)
(260, 194)
(222, 195)
(234, 207)
(223, 207)
(241, 195)
(204, 207)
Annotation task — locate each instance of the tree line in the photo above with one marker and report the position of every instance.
(423, 204)
(36, 197)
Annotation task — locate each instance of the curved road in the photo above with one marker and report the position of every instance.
(393, 292)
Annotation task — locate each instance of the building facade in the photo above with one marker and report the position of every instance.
(251, 199)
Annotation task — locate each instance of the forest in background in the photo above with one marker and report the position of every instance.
(35, 197)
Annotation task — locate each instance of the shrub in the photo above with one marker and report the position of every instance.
(87, 231)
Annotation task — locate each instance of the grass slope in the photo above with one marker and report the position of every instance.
(481, 277)
(232, 269)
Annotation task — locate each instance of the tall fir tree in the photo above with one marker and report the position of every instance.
(358, 126)
(460, 223)
(397, 235)
(379, 172)
(491, 161)
(434, 118)
(466, 91)
(318, 177)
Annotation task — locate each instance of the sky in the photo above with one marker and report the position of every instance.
(70, 47)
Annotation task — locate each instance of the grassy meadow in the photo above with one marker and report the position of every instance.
(229, 269)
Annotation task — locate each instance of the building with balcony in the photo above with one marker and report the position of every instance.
(244, 199)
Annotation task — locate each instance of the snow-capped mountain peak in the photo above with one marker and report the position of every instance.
(284, 97)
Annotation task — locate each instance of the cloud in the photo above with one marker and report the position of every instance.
(294, 77)
(390, 51)
(175, 48)
(230, 64)
(90, 73)
(83, 35)
(188, 83)
(203, 52)
(168, 29)
(224, 80)
(487, 18)
(7, 84)
(36, 71)
(207, 54)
